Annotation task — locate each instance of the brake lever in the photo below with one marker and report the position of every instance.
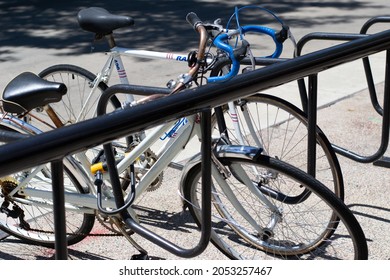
(240, 52)
(215, 28)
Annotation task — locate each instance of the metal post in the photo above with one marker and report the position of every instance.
(59, 210)
(312, 124)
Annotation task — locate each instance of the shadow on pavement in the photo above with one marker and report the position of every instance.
(159, 24)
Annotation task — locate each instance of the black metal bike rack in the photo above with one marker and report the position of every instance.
(54, 145)
(309, 97)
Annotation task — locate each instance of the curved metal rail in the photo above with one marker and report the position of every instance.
(309, 97)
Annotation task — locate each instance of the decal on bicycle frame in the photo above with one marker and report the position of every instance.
(181, 58)
(173, 132)
(120, 70)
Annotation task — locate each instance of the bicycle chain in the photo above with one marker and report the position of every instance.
(101, 221)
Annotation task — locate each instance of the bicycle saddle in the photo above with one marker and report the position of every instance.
(28, 91)
(101, 21)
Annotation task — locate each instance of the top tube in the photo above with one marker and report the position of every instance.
(150, 54)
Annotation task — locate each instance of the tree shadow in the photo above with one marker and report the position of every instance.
(159, 24)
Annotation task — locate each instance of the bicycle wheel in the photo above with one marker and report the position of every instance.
(319, 226)
(31, 218)
(280, 129)
(81, 100)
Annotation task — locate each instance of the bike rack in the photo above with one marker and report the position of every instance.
(309, 98)
(53, 146)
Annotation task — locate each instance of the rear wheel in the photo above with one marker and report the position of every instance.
(78, 104)
(31, 218)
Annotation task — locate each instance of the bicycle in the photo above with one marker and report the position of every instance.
(261, 120)
(278, 185)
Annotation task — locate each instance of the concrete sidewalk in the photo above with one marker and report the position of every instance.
(349, 121)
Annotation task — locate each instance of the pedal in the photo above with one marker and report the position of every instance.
(383, 162)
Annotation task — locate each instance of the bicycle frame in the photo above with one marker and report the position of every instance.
(115, 61)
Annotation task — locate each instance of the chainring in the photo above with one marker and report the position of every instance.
(142, 166)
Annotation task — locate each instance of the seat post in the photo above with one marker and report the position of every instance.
(111, 40)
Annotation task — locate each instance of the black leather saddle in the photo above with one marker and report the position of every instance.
(28, 91)
(102, 22)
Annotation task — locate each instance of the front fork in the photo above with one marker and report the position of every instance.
(221, 173)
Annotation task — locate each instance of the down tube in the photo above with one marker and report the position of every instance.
(168, 153)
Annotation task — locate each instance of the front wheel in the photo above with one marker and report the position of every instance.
(281, 130)
(256, 223)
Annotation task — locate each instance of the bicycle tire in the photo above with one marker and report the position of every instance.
(78, 82)
(319, 227)
(37, 226)
(282, 128)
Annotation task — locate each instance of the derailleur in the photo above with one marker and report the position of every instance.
(16, 212)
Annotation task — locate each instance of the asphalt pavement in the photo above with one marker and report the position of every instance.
(37, 35)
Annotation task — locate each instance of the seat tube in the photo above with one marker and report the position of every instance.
(120, 69)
